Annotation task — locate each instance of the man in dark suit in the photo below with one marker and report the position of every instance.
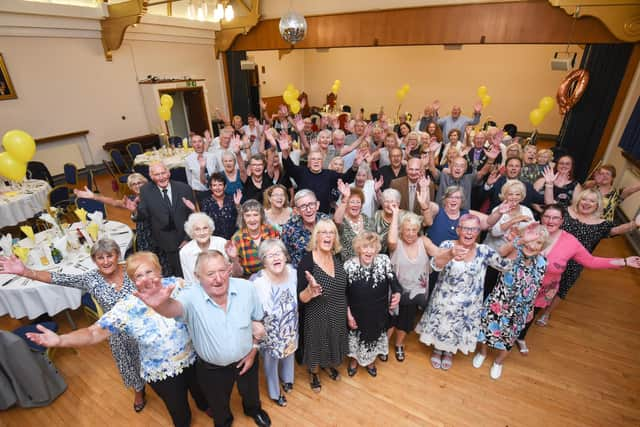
(163, 204)
(408, 187)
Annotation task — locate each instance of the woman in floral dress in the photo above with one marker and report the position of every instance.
(350, 219)
(452, 320)
(370, 279)
(510, 305)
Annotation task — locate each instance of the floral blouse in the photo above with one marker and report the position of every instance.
(280, 304)
(165, 346)
(223, 217)
(296, 237)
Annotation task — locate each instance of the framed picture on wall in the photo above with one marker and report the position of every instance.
(6, 87)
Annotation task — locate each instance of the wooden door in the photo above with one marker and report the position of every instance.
(196, 110)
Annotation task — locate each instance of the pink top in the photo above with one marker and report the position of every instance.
(567, 247)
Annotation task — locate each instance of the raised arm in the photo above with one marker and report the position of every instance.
(422, 196)
(345, 192)
(158, 297)
(393, 235)
(549, 177)
(78, 338)
(13, 265)
(629, 191)
(236, 146)
(626, 228)
(88, 194)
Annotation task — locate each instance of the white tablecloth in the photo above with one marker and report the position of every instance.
(172, 159)
(27, 201)
(22, 297)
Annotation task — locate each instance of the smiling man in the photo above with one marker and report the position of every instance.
(218, 314)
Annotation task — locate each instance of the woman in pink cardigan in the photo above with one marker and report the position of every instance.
(562, 247)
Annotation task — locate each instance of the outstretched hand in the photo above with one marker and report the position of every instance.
(84, 194)
(315, 290)
(549, 176)
(189, 204)
(154, 295)
(237, 197)
(11, 265)
(45, 338)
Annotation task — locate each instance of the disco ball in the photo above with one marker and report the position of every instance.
(293, 27)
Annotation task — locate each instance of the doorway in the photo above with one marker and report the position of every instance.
(189, 113)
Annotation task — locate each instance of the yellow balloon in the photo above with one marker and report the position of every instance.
(288, 97)
(486, 100)
(400, 94)
(166, 101)
(536, 116)
(164, 112)
(290, 87)
(482, 91)
(546, 104)
(337, 82)
(11, 168)
(296, 93)
(334, 89)
(295, 107)
(406, 88)
(19, 144)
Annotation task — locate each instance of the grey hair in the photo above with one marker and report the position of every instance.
(269, 244)
(228, 153)
(364, 167)
(135, 177)
(205, 256)
(391, 194)
(339, 132)
(410, 219)
(304, 193)
(104, 246)
(250, 205)
(325, 132)
(195, 218)
(452, 189)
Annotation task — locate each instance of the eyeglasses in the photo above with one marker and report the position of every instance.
(307, 206)
(274, 255)
(470, 229)
(552, 218)
(327, 232)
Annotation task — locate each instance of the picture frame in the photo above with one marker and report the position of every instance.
(7, 91)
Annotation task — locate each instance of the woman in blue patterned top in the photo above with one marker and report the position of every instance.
(167, 357)
(276, 286)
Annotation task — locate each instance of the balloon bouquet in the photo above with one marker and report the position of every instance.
(19, 148)
(537, 115)
(401, 94)
(290, 96)
(164, 112)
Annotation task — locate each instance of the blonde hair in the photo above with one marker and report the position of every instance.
(323, 224)
(364, 239)
(136, 260)
(581, 195)
(269, 191)
(513, 184)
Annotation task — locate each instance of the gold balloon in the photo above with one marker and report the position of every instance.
(165, 113)
(11, 168)
(166, 101)
(536, 116)
(295, 107)
(546, 104)
(486, 100)
(482, 91)
(19, 144)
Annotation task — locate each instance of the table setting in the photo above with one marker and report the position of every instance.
(20, 201)
(62, 248)
(170, 156)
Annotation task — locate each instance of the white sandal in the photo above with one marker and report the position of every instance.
(543, 320)
(522, 345)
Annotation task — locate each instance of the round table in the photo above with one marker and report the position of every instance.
(29, 198)
(171, 158)
(20, 297)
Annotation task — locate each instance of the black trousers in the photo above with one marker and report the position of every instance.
(217, 384)
(173, 392)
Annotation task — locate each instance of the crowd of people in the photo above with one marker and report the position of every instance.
(302, 241)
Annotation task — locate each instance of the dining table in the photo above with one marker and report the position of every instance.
(171, 157)
(22, 297)
(21, 201)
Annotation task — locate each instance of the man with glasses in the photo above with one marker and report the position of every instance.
(296, 233)
(217, 314)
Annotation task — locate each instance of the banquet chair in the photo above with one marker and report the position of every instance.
(176, 141)
(118, 162)
(91, 205)
(118, 181)
(179, 174)
(143, 170)
(92, 310)
(134, 148)
(23, 330)
(38, 170)
(91, 181)
(60, 197)
(71, 174)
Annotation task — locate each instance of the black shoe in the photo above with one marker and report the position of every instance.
(287, 387)
(383, 357)
(262, 418)
(138, 407)
(352, 370)
(372, 371)
(315, 382)
(333, 373)
(281, 401)
(400, 353)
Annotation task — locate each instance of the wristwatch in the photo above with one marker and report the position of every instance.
(256, 346)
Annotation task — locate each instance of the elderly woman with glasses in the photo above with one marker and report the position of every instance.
(370, 280)
(167, 356)
(276, 206)
(199, 227)
(253, 230)
(451, 321)
(350, 219)
(276, 286)
(322, 284)
(108, 285)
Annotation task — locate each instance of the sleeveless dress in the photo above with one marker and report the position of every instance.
(413, 276)
(232, 186)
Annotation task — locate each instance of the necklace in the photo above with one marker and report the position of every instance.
(356, 225)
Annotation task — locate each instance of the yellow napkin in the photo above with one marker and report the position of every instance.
(81, 214)
(10, 193)
(28, 231)
(22, 253)
(93, 231)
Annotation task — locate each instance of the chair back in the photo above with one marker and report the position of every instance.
(134, 149)
(71, 174)
(143, 170)
(91, 181)
(38, 170)
(60, 196)
(91, 205)
(176, 141)
(91, 308)
(118, 162)
(23, 330)
(179, 174)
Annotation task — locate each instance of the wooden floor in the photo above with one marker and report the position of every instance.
(583, 370)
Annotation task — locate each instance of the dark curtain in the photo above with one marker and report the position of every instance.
(583, 126)
(244, 93)
(630, 141)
